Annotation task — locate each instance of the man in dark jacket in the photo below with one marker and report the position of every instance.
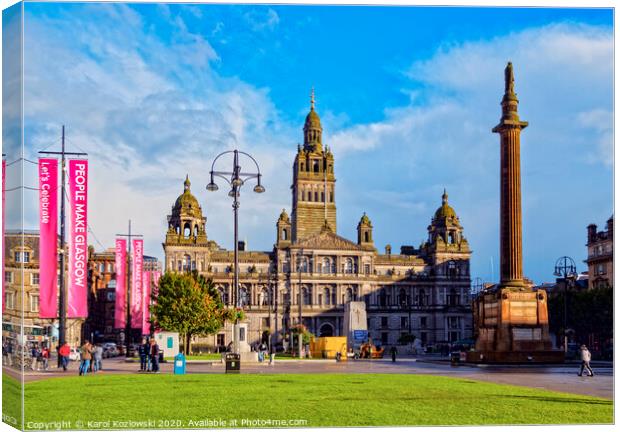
(154, 356)
(143, 351)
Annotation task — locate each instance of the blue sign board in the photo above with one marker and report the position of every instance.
(360, 335)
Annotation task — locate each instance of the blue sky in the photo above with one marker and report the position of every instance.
(407, 96)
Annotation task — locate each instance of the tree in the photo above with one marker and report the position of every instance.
(590, 314)
(189, 304)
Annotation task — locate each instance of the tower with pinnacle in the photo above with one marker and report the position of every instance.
(314, 182)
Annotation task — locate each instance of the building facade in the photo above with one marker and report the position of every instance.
(312, 272)
(21, 324)
(601, 255)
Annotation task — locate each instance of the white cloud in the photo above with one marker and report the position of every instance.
(564, 76)
(148, 114)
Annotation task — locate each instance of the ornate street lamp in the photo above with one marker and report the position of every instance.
(235, 179)
(566, 269)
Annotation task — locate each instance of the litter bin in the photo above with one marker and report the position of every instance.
(233, 363)
(179, 364)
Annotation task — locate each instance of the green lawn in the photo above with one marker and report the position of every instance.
(11, 401)
(320, 400)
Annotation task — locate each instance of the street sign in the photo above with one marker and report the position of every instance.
(360, 335)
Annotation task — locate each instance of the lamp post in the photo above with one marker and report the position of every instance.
(235, 179)
(300, 258)
(566, 269)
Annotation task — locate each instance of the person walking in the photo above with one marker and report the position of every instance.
(154, 356)
(97, 358)
(393, 351)
(5, 353)
(9, 355)
(86, 355)
(143, 351)
(34, 357)
(45, 357)
(586, 356)
(64, 351)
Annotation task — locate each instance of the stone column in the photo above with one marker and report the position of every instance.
(509, 128)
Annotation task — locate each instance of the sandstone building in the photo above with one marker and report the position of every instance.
(601, 255)
(21, 324)
(313, 272)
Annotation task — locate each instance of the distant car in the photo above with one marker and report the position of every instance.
(110, 351)
(74, 355)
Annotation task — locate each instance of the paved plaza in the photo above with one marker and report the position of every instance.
(561, 378)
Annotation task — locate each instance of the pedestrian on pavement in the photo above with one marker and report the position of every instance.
(143, 351)
(9, 356)
(393, 351)
(154, 354)
(45, 357)
(86, 355)
(64, 351)
(586, 356)
(5, 353)
(34, 357)
(97, 358)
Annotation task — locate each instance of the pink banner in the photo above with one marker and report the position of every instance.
(3, 238)
(136, 286)
(48, 240)
(120, 307)
(77, 305)
(146, 302)
(156, 276)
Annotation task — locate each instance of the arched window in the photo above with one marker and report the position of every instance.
(306, 294)
(302, 265)
(422, 298)
(187, 230)
(403, 299)
(366, 236)
(263, 297)
(348, 295)
(195, 230)
(451, 238)
(347, 266)
(315, 166)
(326, 265)
(453, 298)
(316, 196)
(284, 234)
(452, 270)
(382, 298)
(178, 230)
(223, 295)
(187, 263)
(327, 296)
(243, 297)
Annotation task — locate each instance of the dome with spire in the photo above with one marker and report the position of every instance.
(445, 211)
(312, 119)
(284, 216)
(187, 203)
(365, 220)
(313, 130)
